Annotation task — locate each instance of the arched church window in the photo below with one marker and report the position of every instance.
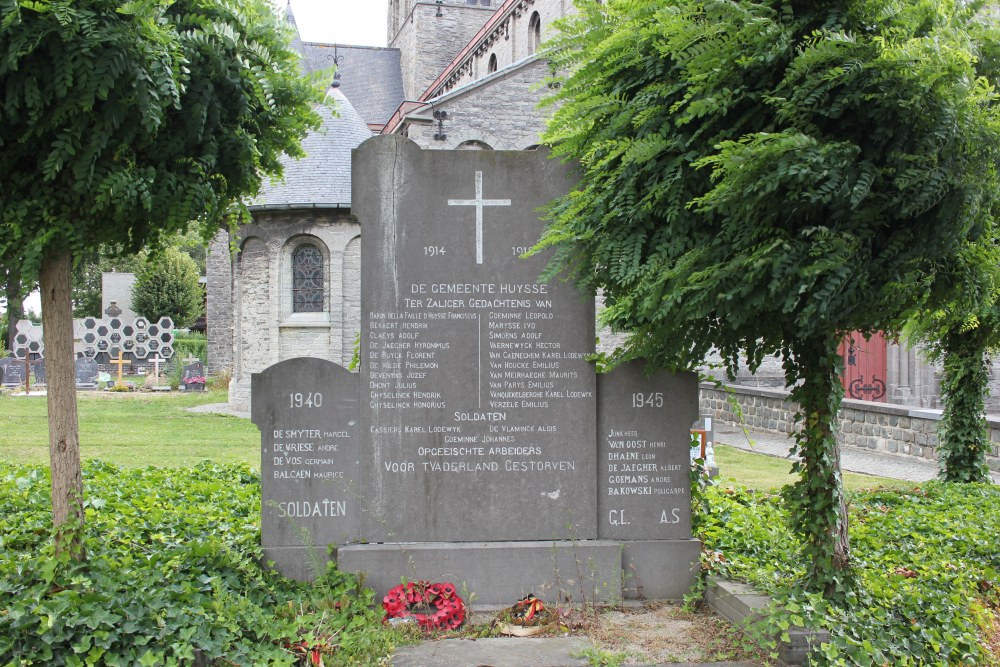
(307, 279)
(534, 32)
(474, 145)
(492, 67)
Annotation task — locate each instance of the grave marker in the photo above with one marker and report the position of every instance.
(308, 414)
(120, 362)
(87, 372)
(193, 377)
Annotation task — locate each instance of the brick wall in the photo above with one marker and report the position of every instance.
(894, 429)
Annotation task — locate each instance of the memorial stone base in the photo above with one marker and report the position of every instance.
(478, 445)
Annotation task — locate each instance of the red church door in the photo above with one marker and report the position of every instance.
(864, 367)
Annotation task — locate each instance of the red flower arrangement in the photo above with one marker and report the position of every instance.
(432, 606)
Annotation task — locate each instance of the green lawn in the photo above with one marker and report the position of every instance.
(133, 429)
(140, 429)
(766, 473)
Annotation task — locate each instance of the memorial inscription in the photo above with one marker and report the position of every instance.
(480, 405)
(644, 486)
(307, 412)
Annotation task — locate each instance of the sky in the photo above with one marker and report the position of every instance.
(353, 22)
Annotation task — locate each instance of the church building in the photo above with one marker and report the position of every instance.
(457, 74)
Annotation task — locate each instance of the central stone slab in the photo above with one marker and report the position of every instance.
(478, 406)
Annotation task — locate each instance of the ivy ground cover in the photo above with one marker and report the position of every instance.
(172, 576)
(926, 564)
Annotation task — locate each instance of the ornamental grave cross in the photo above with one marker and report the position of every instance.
(120, 362)
(479, 203)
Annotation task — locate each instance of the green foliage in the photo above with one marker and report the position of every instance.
(173, 573)
(125, 121)
(167, 286)
(190, 343)
(963, 434)
(761, 178)
(928, 570)
(960, 326)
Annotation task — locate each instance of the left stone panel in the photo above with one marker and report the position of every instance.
(307, 411)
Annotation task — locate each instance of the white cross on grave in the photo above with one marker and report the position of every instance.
(479, 203)
(156, 366)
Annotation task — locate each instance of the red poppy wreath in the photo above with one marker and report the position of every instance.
(432, 606)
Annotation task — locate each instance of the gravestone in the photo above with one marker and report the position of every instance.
(13, 372)
(484, 437)
(644, 483)
(38, 371)
(86, 373)
(193, 376)
(308, 414)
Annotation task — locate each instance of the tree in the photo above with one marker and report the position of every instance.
(167, 286)
(960, 326)
(762, 178)
(122, 121)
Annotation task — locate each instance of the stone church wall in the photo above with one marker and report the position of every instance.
(502, 114)
(219, 309)
(428, 42)
(264, 329)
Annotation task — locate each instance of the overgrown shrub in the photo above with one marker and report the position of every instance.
(172, 573)
(167, 286)
(927, 562)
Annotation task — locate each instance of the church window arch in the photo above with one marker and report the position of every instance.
(474, 145)
(492, 66)
(308, 279)
(534, 32)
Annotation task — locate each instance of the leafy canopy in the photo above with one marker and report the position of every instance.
(168, 286)
(124, 120)
(760, 174)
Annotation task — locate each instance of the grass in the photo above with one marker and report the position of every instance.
(767, 473)
(140, 429)
(133, 429)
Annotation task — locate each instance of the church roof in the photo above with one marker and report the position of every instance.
(321, 179)
(370, 77)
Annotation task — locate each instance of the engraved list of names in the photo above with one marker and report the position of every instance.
(477, 400)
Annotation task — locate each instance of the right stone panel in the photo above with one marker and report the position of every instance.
(643, 459)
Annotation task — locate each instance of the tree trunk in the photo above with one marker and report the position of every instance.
(64, 440)
(816, 501)
(963, 430)
(15, 302)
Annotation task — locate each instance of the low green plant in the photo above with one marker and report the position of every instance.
(927, 568)
(173, 573)
(603, 658)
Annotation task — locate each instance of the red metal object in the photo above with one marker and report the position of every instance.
(864, 367)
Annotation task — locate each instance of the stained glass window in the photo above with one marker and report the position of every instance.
(307, 280)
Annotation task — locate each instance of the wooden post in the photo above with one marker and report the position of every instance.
(120, 362)
(27, 372)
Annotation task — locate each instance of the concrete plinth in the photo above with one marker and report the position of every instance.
(659, 569)
(495, 573)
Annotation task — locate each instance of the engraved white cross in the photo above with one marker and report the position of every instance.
(479, 203)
